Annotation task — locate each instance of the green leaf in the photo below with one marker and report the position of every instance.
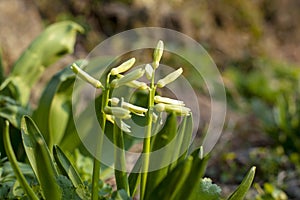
(14, 164)
(66, 167)
(183, 141)
(243, 188)
(195, 175)
(55, 106)
(120, 195)
(11, 110)
(170, 187)
(40, 160)
(56, 41)
(162, 140)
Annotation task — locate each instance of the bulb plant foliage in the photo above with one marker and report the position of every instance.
(50, 174)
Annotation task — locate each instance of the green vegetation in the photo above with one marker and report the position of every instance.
(47, 132)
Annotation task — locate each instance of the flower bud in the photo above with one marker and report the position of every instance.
(125, 127)
(158, 54)
(180, 110)
(125, 66)
(136, 74)
(114, 101)
(137, 84)
(160, 107)
(169, 78)
(159, 99)
(134, 109)
(149, 71)
(118, 112)
(86, 77)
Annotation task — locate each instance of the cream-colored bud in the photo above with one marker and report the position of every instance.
(160, 107)
(114, 101)
(136, 74)
(157, 54)
(169, 78)
(137, 84)
(134, 109)
(149, 71)
(180, 110)
(125, 127)
(86, 77)
(125, 66)
(118, 112)
(166, 100)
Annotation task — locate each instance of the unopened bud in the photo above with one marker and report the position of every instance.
(160, 107)
(169, 78)
(118, 112)
(149, 71)
(86, 77)
(125, 127)
(158, 54)
(137, 84)
(125, 66)
(180, 110)
(134, 109)
(114, 101)
(136, 74)
(159, 99)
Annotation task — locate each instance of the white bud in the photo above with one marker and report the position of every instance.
(86, 77)
(158, 54)
(118, 112)
(169, 78)
(125, 66)
(149, 71)
(160, 107)
(114, 101)
(125, 127)
(136, 74)
(180, 110)
(134, 109)
(159, 99)
(137, 84)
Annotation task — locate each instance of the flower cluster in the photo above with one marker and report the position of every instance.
(119, 109)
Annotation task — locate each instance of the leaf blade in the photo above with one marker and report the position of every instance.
(39, 155)
(243, 188)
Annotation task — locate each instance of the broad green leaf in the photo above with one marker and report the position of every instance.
(55, 106)
(14, 164)
(243, 188)
(171, 186)
(120, 195)
(11, 110)
(162, 140)
(196, 173)
(66, 167)
(40, 160)
(56, 41)
(183, 141)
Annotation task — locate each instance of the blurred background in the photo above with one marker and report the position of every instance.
(255, 44)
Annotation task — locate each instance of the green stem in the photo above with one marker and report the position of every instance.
(14, 163)
(97, 163)
(120, 163)
(147, 139)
